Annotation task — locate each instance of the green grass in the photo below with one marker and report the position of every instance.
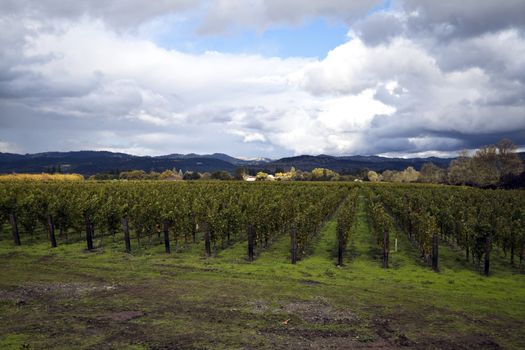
(68, 298)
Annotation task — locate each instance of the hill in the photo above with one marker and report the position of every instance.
(352, 164)
(92, 162)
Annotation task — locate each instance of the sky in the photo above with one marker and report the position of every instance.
(261, 78)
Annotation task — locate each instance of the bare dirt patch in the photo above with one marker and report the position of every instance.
(259, 306)
(316, 324)
(459, 342)
(30, 292)
(319, 311)
(294, 338)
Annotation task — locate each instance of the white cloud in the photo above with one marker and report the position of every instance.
(425, 154)
(6, 147)
(352, 113)
(248, 137)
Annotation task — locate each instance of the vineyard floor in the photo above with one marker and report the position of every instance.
(67, 298)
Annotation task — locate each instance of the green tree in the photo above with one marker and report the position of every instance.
(190, 175)
(509, 162)
(221, 175)
(460, 170)
(432, 173)
(133, 175)
(240, 173)
(488, 165)
(485, 165)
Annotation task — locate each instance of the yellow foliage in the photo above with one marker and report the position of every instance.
(261, 176)
(41, 177)
(320, 173)
(283, 176)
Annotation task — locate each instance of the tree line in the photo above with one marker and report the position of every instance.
(496, 165)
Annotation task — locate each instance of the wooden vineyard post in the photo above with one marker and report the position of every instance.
(14, 228)
(207, 240)
(52, 237)
(386, 246)
(293, 244)
(89, 234)
(127, 240)
(340, 247)
(488, 243)
(435, 252)
(193, 228)
(166, 229)
(228, 229)
(250, 242)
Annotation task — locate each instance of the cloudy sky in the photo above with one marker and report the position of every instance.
(261, 77)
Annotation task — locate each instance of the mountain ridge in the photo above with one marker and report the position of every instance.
(91, 162)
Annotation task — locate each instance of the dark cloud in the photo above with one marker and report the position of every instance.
(121, 13)
(466, 18)
(379, 28)
(499, 54)
(216, 16)
(224, 15)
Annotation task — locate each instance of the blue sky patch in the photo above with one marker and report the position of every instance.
(312, 38)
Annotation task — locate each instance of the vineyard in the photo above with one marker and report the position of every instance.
(218, 246)
(143, 212)
(476, 221)
(473, 220)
